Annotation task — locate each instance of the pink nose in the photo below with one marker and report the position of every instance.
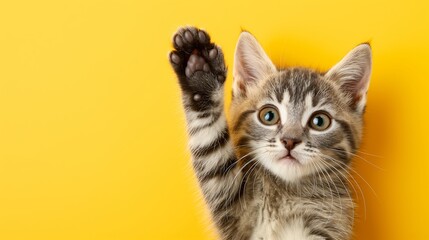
(290, 143)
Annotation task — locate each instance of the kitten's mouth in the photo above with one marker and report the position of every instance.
(289, 158)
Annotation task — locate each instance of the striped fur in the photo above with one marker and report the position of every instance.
(252, 191)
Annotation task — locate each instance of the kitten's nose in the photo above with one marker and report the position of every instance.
(290, 143)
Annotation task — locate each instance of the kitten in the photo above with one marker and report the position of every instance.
(279, 169)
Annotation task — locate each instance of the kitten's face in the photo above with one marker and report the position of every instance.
(297, 122)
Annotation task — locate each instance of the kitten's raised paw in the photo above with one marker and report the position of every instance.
(198, 63)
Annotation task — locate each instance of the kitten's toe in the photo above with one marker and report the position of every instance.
(174, 58)
(189, 36)
(203, 37)
(178, 41)
(213, 53)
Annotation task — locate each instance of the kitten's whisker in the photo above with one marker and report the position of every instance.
(318, 178)
(346, 168)
(238, 160)
(239, 172)
(339, 178)
(327, 167)
(369, 154)
(241, 169)
(329, 186)
(243, 189)
(354, 171)
(356, 155)
(248, 173)
(343, 173)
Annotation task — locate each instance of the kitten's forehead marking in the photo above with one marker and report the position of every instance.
(308, 109)
(283, 107)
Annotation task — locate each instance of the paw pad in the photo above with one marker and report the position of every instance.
(198, 63)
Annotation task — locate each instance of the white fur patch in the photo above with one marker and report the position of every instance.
(277, 230)
(207, 135)
(216, 158)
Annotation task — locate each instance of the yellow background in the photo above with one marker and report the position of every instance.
(92, 136)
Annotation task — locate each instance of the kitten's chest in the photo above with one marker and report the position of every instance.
(280, 216)
(279, 221)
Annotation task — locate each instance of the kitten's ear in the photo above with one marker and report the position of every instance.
(352, 74)
(251, 64)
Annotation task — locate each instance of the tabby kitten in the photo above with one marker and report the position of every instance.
(278, 170)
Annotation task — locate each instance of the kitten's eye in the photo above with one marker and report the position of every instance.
(269, 115)
(320, 121)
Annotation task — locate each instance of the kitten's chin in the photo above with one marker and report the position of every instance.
(288, 168)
